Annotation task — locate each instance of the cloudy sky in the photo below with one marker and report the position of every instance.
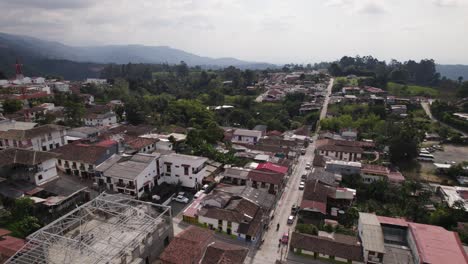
(277, 31)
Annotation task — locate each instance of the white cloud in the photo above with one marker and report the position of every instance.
(259, 30)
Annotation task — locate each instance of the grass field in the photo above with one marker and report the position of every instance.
(411, 90)
(348, 82)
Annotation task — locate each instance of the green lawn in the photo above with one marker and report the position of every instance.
(348, 82)
(411, 90)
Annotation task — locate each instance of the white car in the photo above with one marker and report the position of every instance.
(301, 186)
(308, 166)
(198, 194)
(181, 199)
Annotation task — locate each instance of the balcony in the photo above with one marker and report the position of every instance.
(82, 168)
(120, 184)
(74, 166)
(66, 165)
(130, 186)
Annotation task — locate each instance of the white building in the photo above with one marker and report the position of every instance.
(132, 176)
(186, 169)
(106, 119)
(42, 138)
(96, 81)
(37, 167)
(246, 136)
(372, 238)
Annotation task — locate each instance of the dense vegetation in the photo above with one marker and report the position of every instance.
(400, 78)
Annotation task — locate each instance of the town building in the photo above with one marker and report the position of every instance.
(37, 167)
(197, 245)
(372, 238)
(9, 124)
(104, 119)
(337, 247)
(240, 217)
(371, 173)
(343, 167)
(82, 157)
(271, 181)
(9, 245)
(184, 169)
(41, 138)
(340, 149)
(246, 136)
(134, 175)
(108, 229)
(453, 195)
(390, 240)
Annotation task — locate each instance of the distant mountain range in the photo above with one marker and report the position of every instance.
(41, 57)
(30, 49)
(453, 71)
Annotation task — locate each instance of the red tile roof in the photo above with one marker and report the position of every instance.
(224, 253)
(272, 167)
(4, 232)
(314, 205)
(266, 177)
(188, 246)
(434, 243)
(437, 245)
(9, 245)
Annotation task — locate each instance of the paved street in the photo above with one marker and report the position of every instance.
(269, 252)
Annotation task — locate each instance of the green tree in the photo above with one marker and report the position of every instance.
(25, 226)
(12, 105)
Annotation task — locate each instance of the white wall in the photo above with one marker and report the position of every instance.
(46, 141)
(47, 170)
(147, 175)
(337, 156)
(244, 139)
(100, 121)
(177, 172)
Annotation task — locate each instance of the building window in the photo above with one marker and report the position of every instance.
(39, 177)
(108, 179)
(186, 170)
(59, 162)
(263, 185)
(220, 222)
(44, 148)
(168, 168)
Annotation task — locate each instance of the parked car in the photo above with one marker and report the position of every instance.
(181, 199)
(291, 219)
(308, 166)
(198, 194)
(285, 238)
(304, 176)
(294, 209)
(303, 151)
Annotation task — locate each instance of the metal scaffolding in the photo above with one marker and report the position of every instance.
(108, 229)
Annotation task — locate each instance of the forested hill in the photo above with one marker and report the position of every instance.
(40, 53)
(453, 71)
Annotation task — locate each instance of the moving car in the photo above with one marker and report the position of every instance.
(181, 199)
(291, 219)
(301, 186)
(285, 238)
